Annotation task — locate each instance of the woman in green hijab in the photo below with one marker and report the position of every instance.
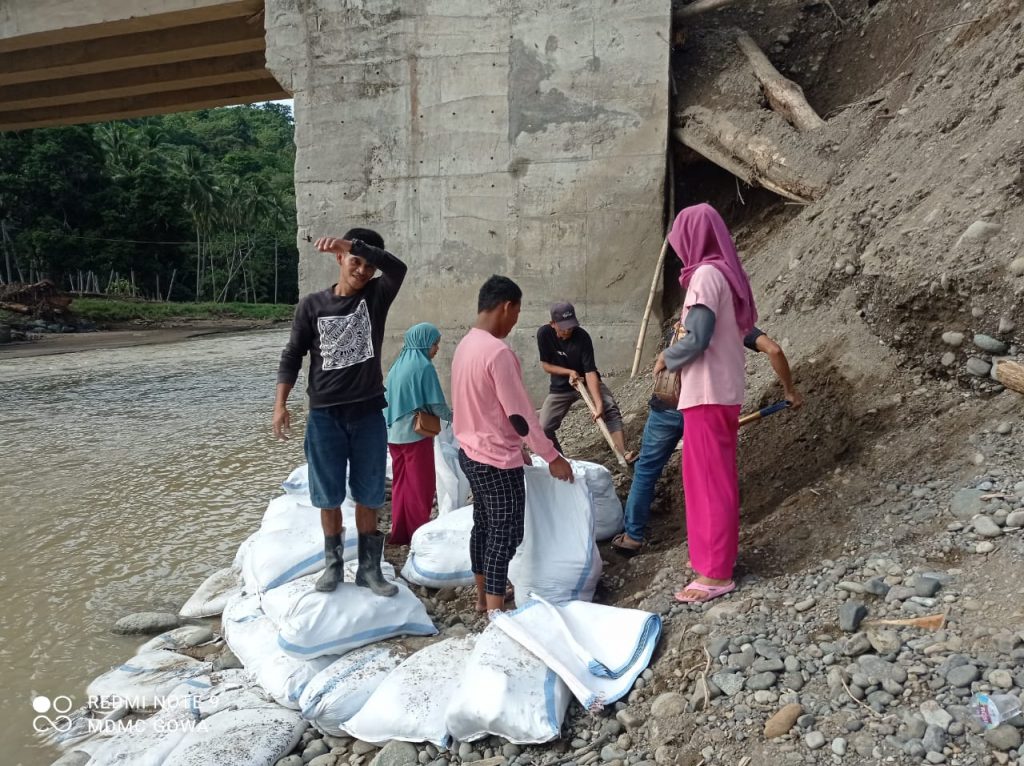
(413, 387)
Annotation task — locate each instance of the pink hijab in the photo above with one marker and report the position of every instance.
(699, 236)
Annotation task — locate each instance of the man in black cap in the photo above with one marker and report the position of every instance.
(567, 355)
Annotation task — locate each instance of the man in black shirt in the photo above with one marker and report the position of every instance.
(342, 329)
(567, 355)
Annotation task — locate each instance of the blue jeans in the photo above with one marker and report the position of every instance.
(662, 433)
(341, 446)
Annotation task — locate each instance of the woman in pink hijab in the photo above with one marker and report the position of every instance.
(718, 311)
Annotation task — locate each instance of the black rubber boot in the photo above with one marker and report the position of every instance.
(371, 548)
(334, 568)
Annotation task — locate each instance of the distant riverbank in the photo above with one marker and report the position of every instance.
(124, 323)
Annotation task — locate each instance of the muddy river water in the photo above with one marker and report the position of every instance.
(126, 477)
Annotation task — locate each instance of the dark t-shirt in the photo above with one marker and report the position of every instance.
(749, 340)
(576, 353)
(343, 336)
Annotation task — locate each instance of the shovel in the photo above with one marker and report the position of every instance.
(581, 387)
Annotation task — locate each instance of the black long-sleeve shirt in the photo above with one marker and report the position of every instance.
(343, 335)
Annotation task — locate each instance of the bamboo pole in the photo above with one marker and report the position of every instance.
(171, 285)
(602, 426)
(647, 310)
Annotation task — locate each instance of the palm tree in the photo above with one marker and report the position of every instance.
(201, 192)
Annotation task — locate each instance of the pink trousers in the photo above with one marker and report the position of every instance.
(711, 484)
(412, 488)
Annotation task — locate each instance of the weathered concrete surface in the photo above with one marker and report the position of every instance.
(516, 137)
(65, 61)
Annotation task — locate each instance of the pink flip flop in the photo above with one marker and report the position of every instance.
(712, 591)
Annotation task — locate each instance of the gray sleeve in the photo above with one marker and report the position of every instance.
(700, 326)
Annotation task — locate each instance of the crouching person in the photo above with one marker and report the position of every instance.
(493, 416)
(342, 329)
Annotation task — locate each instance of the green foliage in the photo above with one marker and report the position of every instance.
(101, 310)
(205, 197)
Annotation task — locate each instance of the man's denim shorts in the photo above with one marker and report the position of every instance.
(340, 446)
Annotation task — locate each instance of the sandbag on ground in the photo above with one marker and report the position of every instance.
(507, 692)
(558, 558)
(410, 703)
(252, 636)
(146, 678)
(609, 519)
(211, 596)
(597, 650)
(451, 483)
(312, 624)
(439, 551)
(253, 737)
(339, 691)
(179, 638)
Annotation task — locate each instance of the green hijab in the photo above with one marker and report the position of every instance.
(412, 382)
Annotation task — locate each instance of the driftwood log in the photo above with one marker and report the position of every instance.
(1010, 374)
(699, 7)
(733, 140)
(783, 95)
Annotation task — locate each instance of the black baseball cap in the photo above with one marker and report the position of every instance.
(564, 316)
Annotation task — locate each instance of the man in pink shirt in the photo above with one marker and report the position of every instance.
(493, 416)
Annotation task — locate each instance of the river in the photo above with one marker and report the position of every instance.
(126, 477)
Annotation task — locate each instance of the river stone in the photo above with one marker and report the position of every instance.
(977, 367)
(226, 660)
(1001, 679)
(814, 740)
(1015, 519)
(1016, 267)
(963, 676)
(314, 749)
(927, 586)
(876, 586)
(850, 615)
(729, 683)
(784, 720)
(967, 503)
(667, 705)
(979, 232)
(875, 667)
(146, 623)
(985, 546)
(761, 681)
(611, 753)
(884, 641)
(954, 339)
(935, 715)
(1003, 737)
(839, 746)
(362, 748)
(986, 527)
(395, 753)
(989, 344)
(327, 759)
(290, 760)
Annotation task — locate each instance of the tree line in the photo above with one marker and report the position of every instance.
(191, 206)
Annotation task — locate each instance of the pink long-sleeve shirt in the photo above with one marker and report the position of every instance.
(488, 398)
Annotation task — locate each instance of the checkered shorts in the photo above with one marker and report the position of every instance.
(499, 510)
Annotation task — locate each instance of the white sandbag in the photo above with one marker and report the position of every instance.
(597, 650)
(210, 597)
(558, 558)
(243, 552)
(609, 519)
(281, 556)
(180, 638)
(145, 681)
(297, 482)
(253, 737)
(439, 551)
(253, 637)
(339, 691)
(312, 624)
(146, 742)
(452, 485)
(410, 703)
(295, 512)
(507, 692)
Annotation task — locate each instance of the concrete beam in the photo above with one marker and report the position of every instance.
(37, 23)
(266, 89)
(132, 51)
(134, 82)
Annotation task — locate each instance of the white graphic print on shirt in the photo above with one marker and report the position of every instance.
(346, 340)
